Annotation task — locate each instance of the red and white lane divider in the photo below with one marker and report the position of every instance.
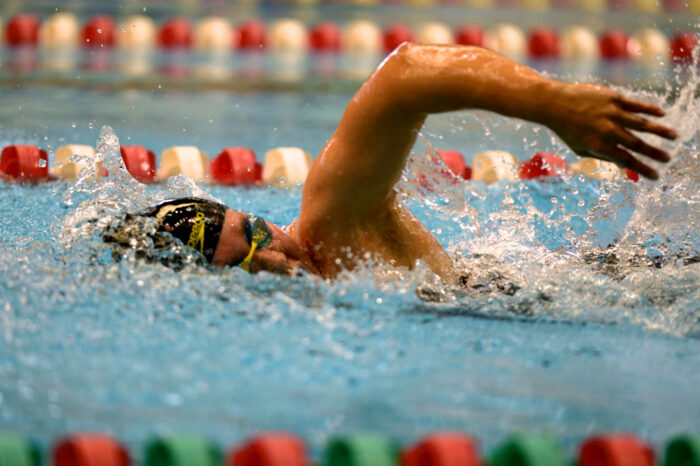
(217, 35)
(282, 166)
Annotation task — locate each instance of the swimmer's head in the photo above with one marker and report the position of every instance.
(250, 242)
(169, 231)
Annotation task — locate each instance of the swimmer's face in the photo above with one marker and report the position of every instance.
(282, 255)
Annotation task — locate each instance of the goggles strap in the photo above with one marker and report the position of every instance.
(245, 265)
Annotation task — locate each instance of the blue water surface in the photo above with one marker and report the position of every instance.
(135, 348)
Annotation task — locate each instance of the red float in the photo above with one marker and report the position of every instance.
(615, 450)
(543, 43)
(236, 165)
(22, 30)
(251, 35)
(682, 46)
(270, 449)
(471, 35)
(542, 164)
(140, 163)
(90, 450)
(325, 37)
(24, 162)
(395, 35)
(98, 32)
(467, 173)
(614, 45)
(442, 449)
(175, 33)
(632, 175)
(455, 162)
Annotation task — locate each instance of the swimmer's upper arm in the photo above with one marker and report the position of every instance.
(355, 173)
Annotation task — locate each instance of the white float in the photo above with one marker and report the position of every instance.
(650, 46)
(286, 166)
(183, 160)
(508, 40)
(60, 30)
(537, 5)
(365, 2)
(646, 6)
(136, 32)
(594, 168)
(363, 37)
(69, 170)
(592, 5)
(213, 34)
(287, 35)
(494, 165)
(420, 3)
(579, 43)
(435, 33)
(479, 4)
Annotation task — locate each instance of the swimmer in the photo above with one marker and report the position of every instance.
(349, 207)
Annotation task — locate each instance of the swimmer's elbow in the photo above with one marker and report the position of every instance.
(417, 79)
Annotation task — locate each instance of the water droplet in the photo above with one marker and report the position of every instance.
(42, 163)
(99, 30)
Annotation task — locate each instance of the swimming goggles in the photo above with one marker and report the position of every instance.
(258, 235)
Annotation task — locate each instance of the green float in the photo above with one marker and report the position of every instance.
(529, 450)
(16, 451)
(683, 450)
(181, 450)
(362, 450)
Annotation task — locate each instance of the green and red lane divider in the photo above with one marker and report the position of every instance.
(235, 166)
(283, 449)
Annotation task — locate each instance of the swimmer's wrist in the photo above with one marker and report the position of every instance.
(551, 96)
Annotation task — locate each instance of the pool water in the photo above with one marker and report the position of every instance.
(586, 317)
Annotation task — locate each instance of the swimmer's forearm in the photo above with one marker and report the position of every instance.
(434, 79)
(593, 121)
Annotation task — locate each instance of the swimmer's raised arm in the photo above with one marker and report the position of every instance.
(362, 161)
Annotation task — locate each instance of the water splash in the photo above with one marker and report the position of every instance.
(574, 248)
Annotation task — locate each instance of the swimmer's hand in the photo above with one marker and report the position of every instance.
(596, 122)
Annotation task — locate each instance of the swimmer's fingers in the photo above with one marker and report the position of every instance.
(637, 123)
(627, 160)
(636, 106)
(632, 142)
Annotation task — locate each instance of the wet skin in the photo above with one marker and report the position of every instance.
(348, 207)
